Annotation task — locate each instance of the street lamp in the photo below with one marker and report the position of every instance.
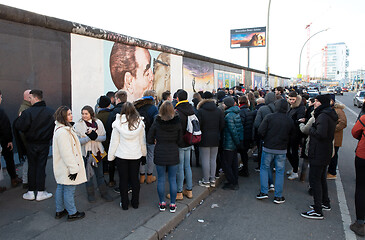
(267, 49)
(300, 56)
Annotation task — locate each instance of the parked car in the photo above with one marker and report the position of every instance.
(313, 93)
(345, 89)
(330, 89)
(359, 99)
(338, 90)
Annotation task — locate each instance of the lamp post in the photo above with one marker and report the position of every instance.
(300, 56)
(267, 49)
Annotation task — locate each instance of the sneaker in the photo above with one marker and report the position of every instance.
(289, 172)
(279, 200)
(257, 169)
(212, 183)
(293, 176)
(29, 196)
(204, 184)
(324, 207)
(331, 177)
(162, 206)
(43, 195)
(312, 215)
(116, 190)
(76, 216)
(272, 188)
(172, 208)
(261, 196)
(358, 228)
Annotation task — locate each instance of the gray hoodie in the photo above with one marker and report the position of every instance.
(264, 110)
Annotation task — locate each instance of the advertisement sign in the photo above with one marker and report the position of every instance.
(248, 37)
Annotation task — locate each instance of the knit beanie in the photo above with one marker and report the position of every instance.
(104, 102)
(220, 95)
(324, 100)
(228, 101)
(207, 95)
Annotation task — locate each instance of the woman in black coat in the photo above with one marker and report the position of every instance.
(166, 132)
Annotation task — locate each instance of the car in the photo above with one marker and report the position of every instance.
(313, 93)
(338, 90)
(345, 89)
(330, 89)
(359, 99)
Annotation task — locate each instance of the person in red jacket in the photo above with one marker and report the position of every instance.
(358, 133)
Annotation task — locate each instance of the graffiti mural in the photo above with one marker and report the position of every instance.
(198, 75)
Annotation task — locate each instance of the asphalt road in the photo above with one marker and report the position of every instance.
(232, 215)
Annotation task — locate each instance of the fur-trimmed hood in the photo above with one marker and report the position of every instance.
(297, 102)
(338, 105)
(207, 106)
(143, 101)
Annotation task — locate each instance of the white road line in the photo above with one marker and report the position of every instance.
(345, 213)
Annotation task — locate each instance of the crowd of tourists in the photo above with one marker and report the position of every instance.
(147, 136)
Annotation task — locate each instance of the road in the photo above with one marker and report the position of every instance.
(238, 215)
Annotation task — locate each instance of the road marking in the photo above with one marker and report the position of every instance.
(345, 213)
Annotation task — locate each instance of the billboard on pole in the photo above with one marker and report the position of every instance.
(248, 37)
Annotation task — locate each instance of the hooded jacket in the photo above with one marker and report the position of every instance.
(247, 119)
(265, 110)
(127, 144)
(277, 128)
(168, 136)
(211, 120)
(321, 136)
(184, 109)
(36, 123)
(296, 112)
(341, 123)
(67, 156)
(233, 129)
(147, 109)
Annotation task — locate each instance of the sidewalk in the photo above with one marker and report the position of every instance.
(21, 219)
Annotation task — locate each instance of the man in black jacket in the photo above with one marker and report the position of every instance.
(6, 140)
(319, 153)
(276, 130)
(37, 124)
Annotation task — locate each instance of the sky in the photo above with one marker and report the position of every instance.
(203, 27)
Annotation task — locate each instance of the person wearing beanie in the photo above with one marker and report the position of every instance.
(104, 102)
(341, 124)
(232, 139)
(319, 154)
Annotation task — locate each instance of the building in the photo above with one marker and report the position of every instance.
(335, 62)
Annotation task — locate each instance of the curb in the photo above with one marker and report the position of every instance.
(162, 223)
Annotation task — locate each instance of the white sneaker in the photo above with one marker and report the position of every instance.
(29, 196)
(43, 195)
(293, 176)
(289, 172)
(272, 188)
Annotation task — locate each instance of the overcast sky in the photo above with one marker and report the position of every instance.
(203, 27)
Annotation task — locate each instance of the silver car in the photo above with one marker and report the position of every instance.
(359, 99)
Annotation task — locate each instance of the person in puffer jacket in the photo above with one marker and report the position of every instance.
(232, 138)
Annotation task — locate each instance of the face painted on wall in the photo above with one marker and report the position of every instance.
(162, 75)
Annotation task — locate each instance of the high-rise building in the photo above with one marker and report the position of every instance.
(335, 62)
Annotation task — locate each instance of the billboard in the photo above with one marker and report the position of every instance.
(248, 37)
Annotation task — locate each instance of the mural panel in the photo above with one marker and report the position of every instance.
(198, 75)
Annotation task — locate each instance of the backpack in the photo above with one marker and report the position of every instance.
(193, 134)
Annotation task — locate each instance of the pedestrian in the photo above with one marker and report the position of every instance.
(184, 109)
(211, 120)
(276, 130)
(166, 95)
(358, 133)
(167, 133)
(6, 141)
(68, 165)
(341, 124)
(295, 112)
(147, 109)
(127, 148)
(91, 134)
(37, 124)
(247, 118)
(197, 98)
(232, 138)
(319, 154)
(120, 99)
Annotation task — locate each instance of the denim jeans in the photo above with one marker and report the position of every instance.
(266, 172)
(208, 156)
(65, 198)
(172, 169)
(149, 160)
(99, 176)
(184, 166)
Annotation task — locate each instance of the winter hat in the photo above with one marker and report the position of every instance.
(220, 95)
(228, 101)
(207, 95)
(324, 100)
(104, 102)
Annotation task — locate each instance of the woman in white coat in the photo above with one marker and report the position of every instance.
(127, 148)
(68, 165)
(91, 133)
